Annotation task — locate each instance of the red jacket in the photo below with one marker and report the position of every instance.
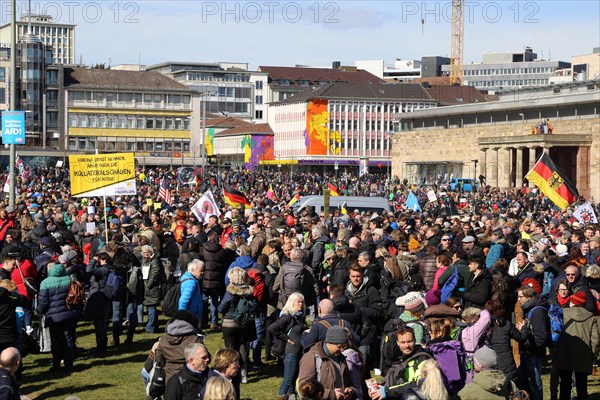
(29, 271)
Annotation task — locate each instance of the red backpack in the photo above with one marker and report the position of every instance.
(259, 283)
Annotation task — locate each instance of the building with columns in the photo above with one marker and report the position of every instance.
(500, 140)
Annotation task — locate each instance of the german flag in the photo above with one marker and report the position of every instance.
(294, 200)
(344, 208)
(233, 197)
(553, 182)
(333, 191)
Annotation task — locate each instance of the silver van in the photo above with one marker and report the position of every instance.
(352, 203)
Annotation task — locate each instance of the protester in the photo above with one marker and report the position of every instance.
(10, 361)
(190, 382)
(489, 383)
(227, 364)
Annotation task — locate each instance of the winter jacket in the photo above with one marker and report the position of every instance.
(318, 330)
(390, 291)
(52, 296)
(29, 271)
(533, 335)
(348, 312)
(214, 270)
(373, 272)
(488, 385)
(427, 268)
(188, 385)
(527, 272)
(9, 387)
(317, 254)
(497, 251)
(472, 334)
(502, 331)
(243, 262)
(409, 376)
(190, 297)
(368, 300)
(152, 293)
(478, 290)
(8, 319)
(581, 285)
(258, 242)
(96, 306)
(232, 297)
(327, 372)
(581, 337)
(179, 335)
(290, 327)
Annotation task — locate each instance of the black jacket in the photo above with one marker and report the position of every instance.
(533, 335)
(214, 271)
(289, 327)
(186, 385)
(9, 388)
(478, 289)
(348, 312)
(502, 331)
(8, 318)
(368, 300)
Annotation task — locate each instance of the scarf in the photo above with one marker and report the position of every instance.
(563, 301)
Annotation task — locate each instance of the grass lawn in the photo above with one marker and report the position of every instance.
(117, 375)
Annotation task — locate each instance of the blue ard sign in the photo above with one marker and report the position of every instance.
(13, 127)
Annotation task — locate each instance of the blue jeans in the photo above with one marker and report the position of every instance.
(116, 318)
(214, 303)
(257, 345)
(140, 313)
(530, 375)
(145, 377)
(132, 317)
(152, 325)
(290, 373)
(28, 312)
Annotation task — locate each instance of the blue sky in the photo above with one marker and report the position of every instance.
(318, 32)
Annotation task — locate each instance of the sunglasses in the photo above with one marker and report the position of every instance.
(571, 274)
(445, 240)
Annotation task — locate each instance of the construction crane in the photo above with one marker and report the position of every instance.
(457, 42)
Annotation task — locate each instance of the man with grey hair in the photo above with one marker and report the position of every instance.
(190, 289)
(190, 381)
(295, 276)
(319, 240)
(10, 360)
(371, 268)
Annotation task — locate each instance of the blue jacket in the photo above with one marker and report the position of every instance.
(190, 298)
(243, 262)
(52, 297)
(496, 251)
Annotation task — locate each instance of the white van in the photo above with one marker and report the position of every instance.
(377, 204)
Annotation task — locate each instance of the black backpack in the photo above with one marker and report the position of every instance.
(246, 310)
(389, 348)
(170, 303)
(292, 280)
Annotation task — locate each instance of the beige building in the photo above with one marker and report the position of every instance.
(499, 140)
(590, 63)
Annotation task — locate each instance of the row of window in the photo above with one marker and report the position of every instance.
(127, 122)
(128, 144)
(510, 82)
(131, 98)
(509, 71)
(218, 77)
(47, 30)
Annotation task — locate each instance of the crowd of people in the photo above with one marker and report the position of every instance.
(467, 298)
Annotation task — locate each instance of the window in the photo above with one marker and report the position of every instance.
(259, 85)
(258, 114)
(259, 99)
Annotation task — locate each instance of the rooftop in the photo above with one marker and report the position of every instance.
(247, 129)
(118, 79)
(314, 75)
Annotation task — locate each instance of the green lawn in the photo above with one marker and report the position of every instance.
(117, 375)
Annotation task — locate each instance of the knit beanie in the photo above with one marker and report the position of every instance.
(534, 284)
(433, 297)
(485, 358)
(336, 335)
(412, 301)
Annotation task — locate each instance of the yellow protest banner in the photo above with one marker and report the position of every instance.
(149, 202)
(102, 174)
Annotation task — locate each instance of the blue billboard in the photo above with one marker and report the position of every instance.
(13, 127)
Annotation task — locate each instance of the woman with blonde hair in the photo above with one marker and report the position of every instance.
(235, 336)
(227, 365)
(431, 384)
(219, 388)
(287, 331)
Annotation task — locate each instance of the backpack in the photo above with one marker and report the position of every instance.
(134, 280)
(292, 280)
(396, 373)
(170, 303)
(451, 358)
(157, 380)
(76, 293)
(450, 285)
(259, 284)
(245, 311)
(114, 286)
(327, 325)
(557, 323)
(389, 350)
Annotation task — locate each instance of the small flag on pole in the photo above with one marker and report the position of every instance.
(164, 192)
(585, 214)
(234, 197)
(333, 190)
(270, 192)
(294, 200)
(344, 209)
(412, 203)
